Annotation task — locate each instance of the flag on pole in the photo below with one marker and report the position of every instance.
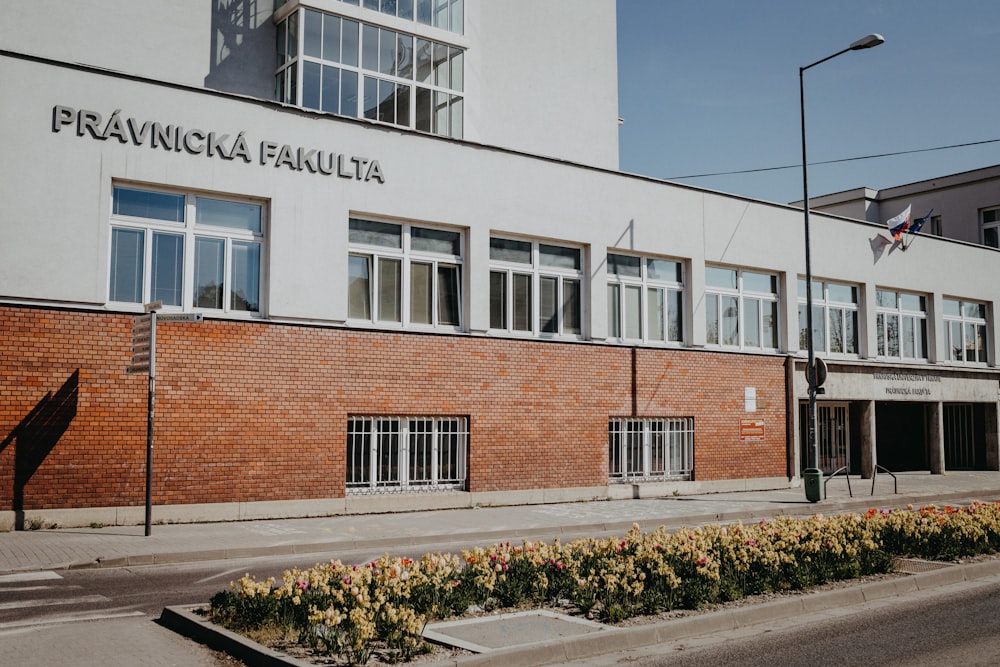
(920, 222)
(899, 224)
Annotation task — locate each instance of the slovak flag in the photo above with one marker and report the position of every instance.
(899, 224)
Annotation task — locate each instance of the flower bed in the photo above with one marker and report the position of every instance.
(348, 610)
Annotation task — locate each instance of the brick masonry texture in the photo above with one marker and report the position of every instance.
(256, 411)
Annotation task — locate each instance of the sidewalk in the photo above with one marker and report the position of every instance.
(116, 546)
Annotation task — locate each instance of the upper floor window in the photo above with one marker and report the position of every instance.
(991, 227)
(346, 67)
(901, 324)
(741, 308)
(535, 287)
(835, 318)
(404, 274)
(965, 324)
(192, 252)
(444, 14)
(645, 299)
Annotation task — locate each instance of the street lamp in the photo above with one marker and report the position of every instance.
(812, 374)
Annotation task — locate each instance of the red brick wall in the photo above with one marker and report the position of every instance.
(251, 411)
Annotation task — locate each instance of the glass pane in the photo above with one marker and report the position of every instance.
(955, 341)
(842, 293)
(522, 302)
(675, 316)
(624, 265)
(246, 276)
(313, 34)
(836, 331)
(209, 270)
(349, 45)
(909, 338)
(548, 304)
(951, 307)
(229, 214)
(970, 342)
(730, 321)
(762, 282)
(457, 73)
(168, 269)
(974, 310)
(440, 64)
(498, 300)
(558, 256)
(851, 333)
(368, 232)
(716, 277)
(633, 312)
(423, 55)
(912, 302)
(769, 337)
(405, 9)
(424, 11)
(885, 298)
(892, 335)
(509, 250)
(441, 14)
(369, 47)
(349, 93)
(880, 325)
(751, 323)
(420, 293)
(404, 56)
(712, 318)
(424, 109)
(386, 101)
(457, 126)
(981, 343)
(654, 310)
(281, 49)
(803, 328)
(571, 313)
(292, 42)
(358, 288)
(371, 4)
(127, 257)
(435, 240)
(458, 16)
(330, 101)
(389, 288)
(331, 38)
(448, 295)
(664, 269)
(991, 237)
(439, 119)
(387, 52)
(819, 328)
(146, 204)
(311, 84)
(614, 311)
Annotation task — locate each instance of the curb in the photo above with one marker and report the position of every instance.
(184, 621)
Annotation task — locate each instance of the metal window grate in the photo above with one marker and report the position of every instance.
(641, 449)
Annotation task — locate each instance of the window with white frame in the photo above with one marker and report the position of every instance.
(645, 299)
(190, 251)
(741, 308)
(535, 288)
(443, 14)
(659, 448)
(343, 66)
(901, 324)
(835, 318)
(991, 227)
(965, 326)
(406, 453)
(404, 274)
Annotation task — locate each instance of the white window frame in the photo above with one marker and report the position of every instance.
(965, 332)
(191, 231)
(650, 448)
(384, 453)
(718, 296)
(825, 309)
(408, 257)
(621, 285)
(907, 321)
(536, 272)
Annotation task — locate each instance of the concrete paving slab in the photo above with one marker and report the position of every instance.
(498, 631)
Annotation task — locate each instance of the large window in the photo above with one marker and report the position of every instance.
(404, 274)
(965, 324)
(650, 448)
(190, 251)
(835, 318)
(535, 288)
(645, 299)
(901, 325)
(444, 14)
(416, 453)
(991, 227)
(741, 308)
(346, 67)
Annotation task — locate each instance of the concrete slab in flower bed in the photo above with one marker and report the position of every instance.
(490, 633)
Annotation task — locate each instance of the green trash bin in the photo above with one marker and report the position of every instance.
(813, 480)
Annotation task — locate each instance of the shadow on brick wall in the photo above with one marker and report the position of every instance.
(37, 435)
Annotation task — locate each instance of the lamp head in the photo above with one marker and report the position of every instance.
(867, 42)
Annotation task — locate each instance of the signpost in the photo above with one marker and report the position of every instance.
(144, 361)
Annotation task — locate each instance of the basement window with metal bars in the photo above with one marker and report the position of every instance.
(650, 449)
(387, 454)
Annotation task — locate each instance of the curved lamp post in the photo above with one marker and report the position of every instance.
(812, 375)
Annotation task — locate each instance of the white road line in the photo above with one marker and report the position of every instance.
(49, 602)
(18, 589)
(42, 575)
(14, 627)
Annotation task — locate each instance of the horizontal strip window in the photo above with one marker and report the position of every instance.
(386, 454)
(650, 449)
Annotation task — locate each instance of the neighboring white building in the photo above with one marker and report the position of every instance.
(423, 280)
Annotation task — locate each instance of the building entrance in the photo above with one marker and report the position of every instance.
(833, 436)
(964, 436)
(901, 436)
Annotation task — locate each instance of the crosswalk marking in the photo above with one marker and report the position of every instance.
(12, 627)
(49, 602)
(42, 575)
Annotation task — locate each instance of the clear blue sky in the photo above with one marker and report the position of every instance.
(712, 86)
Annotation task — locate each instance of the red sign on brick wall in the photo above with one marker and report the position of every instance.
(751, 430)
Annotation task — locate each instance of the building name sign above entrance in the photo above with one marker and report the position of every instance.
(176, 138)
(907, 384)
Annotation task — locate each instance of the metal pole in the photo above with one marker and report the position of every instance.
(810, 369)
(150, 403)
